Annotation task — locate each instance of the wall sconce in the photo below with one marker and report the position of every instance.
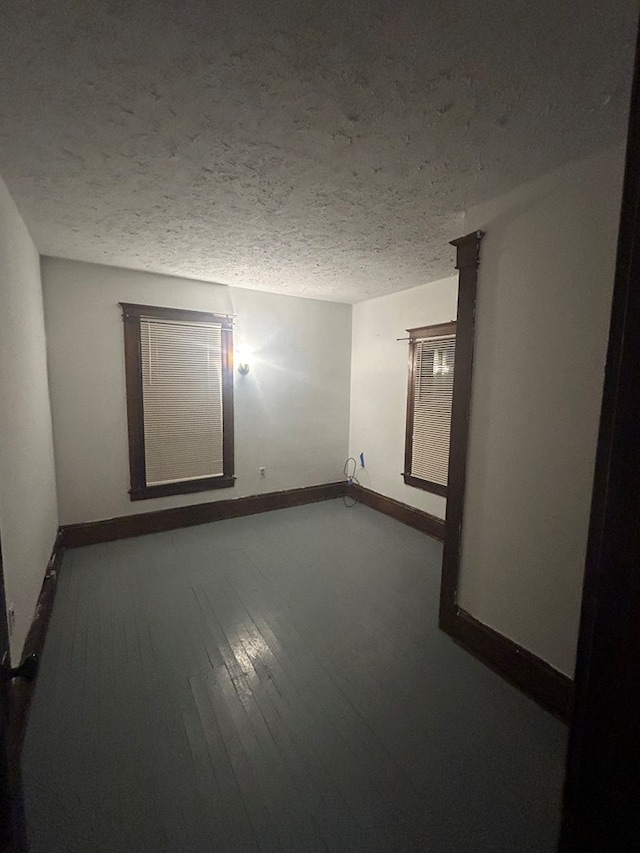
(243, 358)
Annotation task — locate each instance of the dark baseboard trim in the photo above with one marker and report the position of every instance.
(540, 681)
(20, 691)
(548, 687)
(429, 524)
(34, 642)
(93, 532)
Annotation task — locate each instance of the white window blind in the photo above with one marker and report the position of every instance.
(434, 361)
(182, 400)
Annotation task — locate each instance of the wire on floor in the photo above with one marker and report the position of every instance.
(350, 468)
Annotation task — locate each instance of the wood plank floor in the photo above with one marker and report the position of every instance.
(277, 683)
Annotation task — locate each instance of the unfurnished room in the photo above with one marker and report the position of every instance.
(304, 318)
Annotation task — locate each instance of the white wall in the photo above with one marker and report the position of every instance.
(291, 410)
(379, 366)
(28, 508)
(544, 294)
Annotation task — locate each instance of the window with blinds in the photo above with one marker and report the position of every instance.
(432, 352)
(179, 400)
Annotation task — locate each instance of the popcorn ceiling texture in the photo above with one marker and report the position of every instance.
(323, 149)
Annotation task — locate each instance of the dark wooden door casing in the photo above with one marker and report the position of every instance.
(12, 824)
(602, 786)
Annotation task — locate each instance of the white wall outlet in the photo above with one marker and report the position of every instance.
(263, 472)
(11, 617)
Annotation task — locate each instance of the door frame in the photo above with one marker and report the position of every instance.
(13, 832)
(602, 784)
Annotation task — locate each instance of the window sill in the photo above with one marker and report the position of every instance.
(184, 488)
(425, 485)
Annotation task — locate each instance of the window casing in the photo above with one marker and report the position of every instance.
(179, 380)
(429, 399)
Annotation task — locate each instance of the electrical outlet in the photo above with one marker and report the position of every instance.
(263, 472)
(11, 617)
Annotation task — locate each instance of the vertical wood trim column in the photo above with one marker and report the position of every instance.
(517, 665)
(467, 260)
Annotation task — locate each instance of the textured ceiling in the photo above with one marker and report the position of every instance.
(321, 149)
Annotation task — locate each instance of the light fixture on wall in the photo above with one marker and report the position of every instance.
(243, 357)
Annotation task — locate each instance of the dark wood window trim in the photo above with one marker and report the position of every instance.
(415, 335)
(131, 315)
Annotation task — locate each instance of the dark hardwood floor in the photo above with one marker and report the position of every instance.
(277, 683)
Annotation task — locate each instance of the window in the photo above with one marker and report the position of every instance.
(430, 391)
(179, 379)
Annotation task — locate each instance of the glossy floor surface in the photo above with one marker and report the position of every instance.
(277, 683)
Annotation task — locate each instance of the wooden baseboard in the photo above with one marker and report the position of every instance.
(520, 667)
(550, 688)
(20, 691)
(93, 532)
(34, 642)
(423, 521)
